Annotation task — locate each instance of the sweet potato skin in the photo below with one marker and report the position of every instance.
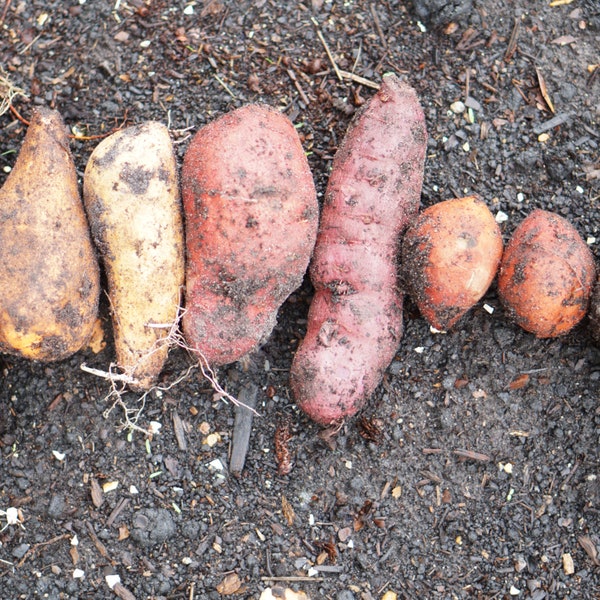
(450, 256)
(355, 318)
(251, 221)
(49, 280)
(546, 275)
(131, 194)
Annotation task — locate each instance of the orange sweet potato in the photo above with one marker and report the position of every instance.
(546, 275)
(355, 318)
(49, 279)
(251, 221)
(450, 256)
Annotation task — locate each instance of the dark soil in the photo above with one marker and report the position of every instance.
(474, 471)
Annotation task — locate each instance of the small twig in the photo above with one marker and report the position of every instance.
(378, 25)
(469, 454)
(3, 17)
(512, 42)
(359, 79)
(330, 56)
(99, 545)
(225, 86)
(36, 547)
(292, 578)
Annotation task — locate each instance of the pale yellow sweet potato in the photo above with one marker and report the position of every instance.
(132, 199)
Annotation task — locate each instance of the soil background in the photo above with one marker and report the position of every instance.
(473, 472)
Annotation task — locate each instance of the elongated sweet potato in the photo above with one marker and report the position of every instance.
(49, 276)
(251, 221)
(450, 256)
(132, 199)
(546, 275)
(355, 318)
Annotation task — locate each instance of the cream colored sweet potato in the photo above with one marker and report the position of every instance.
(251, 221)
(355, 318)
(49, 278)
(450, 256)
(132, 199)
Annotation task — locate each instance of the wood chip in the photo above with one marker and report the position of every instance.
(590, 549)
(242, 427)
(96, 493)
(287, 511)
(568, 564)
(544, 90)
(520, 381)
(179, 431)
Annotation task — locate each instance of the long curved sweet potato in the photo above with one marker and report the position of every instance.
(355, 318)
(131, 194)
(49, 275)
(251, 222)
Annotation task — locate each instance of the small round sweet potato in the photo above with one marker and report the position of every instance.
(251, 217)
(450, 256)
(546, 275)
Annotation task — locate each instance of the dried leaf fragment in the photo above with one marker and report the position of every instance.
(544, 90)
(520, 381)
(229, 585)
(288, 511)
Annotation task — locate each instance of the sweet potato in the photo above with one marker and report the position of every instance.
(131, 195)
(450, 256)
(251, 221)
(546, 275)
(49, 279)
(355, 318)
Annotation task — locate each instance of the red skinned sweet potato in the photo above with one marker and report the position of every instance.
(546, 275)
(450, 256)
(251, 222)
(355, 318)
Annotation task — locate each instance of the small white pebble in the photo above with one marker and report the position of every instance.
(78, 574)
(466, 147)
(188, 10)
(75, 541)
(186, 560)
(458, 107)
(348, 464)
(6, 169)
(350, 544)
(419, 349)
(154, 427)
(520, 197)
(145, 43)
(311, 519)
(133, 490)
(433, 330)
(312, 572)
(501, 217)
(489, 309)
(110, 486)
(216, 464)
(421, 27)
(58, 455)
(590, 240)
(514, 591)
(112, 580)
(579, 189)
(508, 468)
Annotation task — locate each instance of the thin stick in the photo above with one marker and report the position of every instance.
(359, 79)
(335, 67)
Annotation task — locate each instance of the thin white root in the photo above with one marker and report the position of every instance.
(120, 381)
(8, 91)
